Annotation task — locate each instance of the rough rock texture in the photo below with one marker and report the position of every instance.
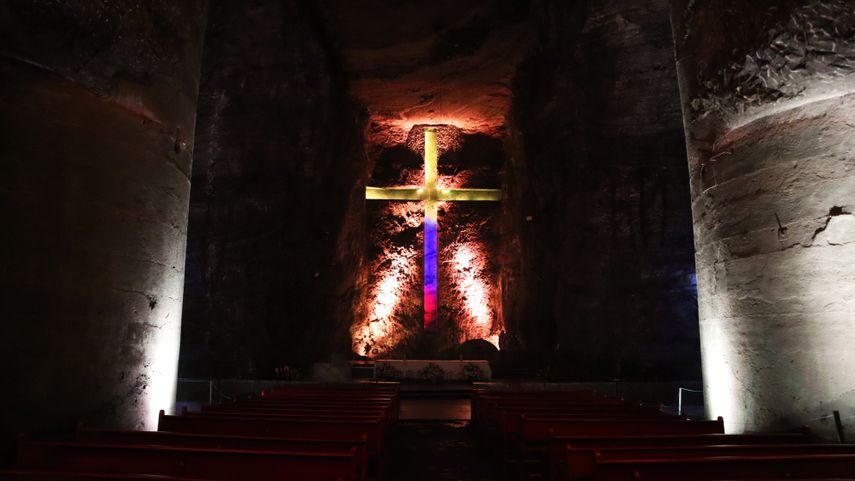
(388, 313)
(773, 188)
(438, 62)
(766, 51)
(273, 247)
(447, 63)
(598, 268)
(280, 249)
(97, 117)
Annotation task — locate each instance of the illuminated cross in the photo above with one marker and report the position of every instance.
(431, 195)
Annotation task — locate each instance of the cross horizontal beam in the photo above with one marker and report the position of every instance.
(418, 193)
(394, 193)
(490, 195)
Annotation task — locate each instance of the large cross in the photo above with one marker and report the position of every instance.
(431, 195)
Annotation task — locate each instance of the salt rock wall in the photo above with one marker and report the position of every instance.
(768, 113)
(97, 115)
(273, 248)
(599, 279)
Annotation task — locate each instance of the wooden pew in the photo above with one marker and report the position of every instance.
(585, 446)
(836, 466)
(387, 406)
(211, 464)
(246, 443)
(511, 423)
(309, 411)
(322, 401)
(292, 413)
(42, 475)
(384, 424)
(580, 462)
(384, 420)
(485, 406)
(492, 415)
(281, 428)
(538, 429)
(309, 393)
(505, 419)
(351, 393)
(532, 443)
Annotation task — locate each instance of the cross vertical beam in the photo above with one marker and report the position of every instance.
(431, 266)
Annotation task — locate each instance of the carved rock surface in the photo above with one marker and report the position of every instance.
(598, 274)
(273, 246)
(773, 189)
(97, 115)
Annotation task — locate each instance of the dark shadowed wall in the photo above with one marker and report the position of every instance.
(278, 156)
(599, 280)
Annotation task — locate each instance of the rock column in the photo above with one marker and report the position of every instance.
(97, 119)
(768, 108)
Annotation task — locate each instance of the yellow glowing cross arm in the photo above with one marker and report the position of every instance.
(430, 192)
(470, 194)
(394, 193)
(416, 193)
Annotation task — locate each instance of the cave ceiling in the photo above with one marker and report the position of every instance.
(439, 62)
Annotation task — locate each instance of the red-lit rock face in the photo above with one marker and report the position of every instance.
(448, 64)
(388, 314)
(439, 62)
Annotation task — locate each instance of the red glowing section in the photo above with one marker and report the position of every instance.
(431, 302)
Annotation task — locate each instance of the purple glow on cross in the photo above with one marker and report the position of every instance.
(431, 298)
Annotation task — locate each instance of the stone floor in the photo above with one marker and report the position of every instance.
(434, 442)
(437, 409)
(432, 450)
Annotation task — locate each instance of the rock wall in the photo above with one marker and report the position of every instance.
(768, 97)
(595, 255)
(273, 247)
(97, 115)
(598, 276)
(389, 309)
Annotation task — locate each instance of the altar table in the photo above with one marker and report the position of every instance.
(432, 370)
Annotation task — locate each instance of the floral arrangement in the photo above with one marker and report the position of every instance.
(432, 372)
(387, 372)
(473, 372)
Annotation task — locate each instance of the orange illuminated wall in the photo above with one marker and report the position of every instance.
(390, 306)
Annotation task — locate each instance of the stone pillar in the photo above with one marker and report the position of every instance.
(769, 114)
(97, 118)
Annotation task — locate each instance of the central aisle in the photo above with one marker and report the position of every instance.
(427, 450)
(434, 442)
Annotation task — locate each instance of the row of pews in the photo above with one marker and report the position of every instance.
(581, 435)
(292, 433)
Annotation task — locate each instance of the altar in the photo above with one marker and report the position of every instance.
(432, 370)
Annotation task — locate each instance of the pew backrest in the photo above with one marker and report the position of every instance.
(839, 466)
(558, 445)
(269, 427)
(211, 464)
(580, 461)
(246, 443)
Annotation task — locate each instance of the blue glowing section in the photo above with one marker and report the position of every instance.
(431, 300)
